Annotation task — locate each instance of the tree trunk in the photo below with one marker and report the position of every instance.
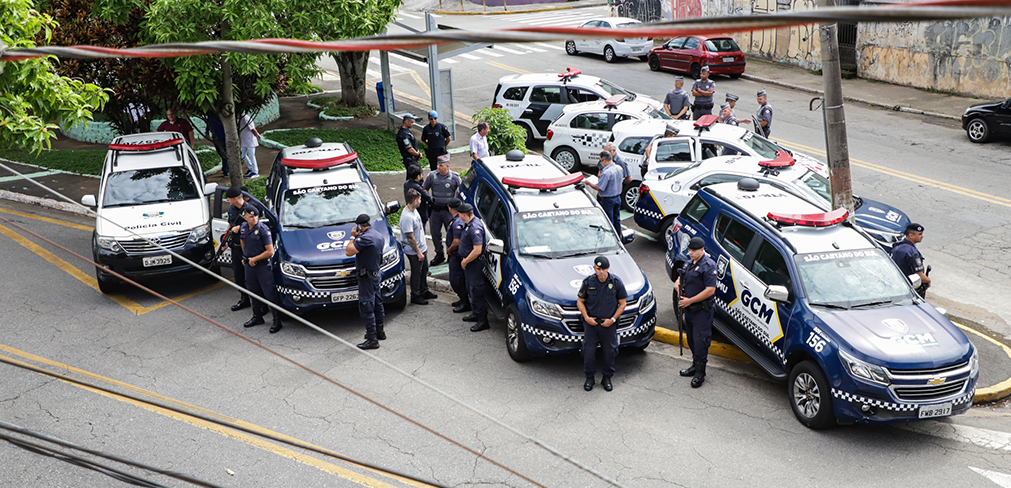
(352, 66)
(226, 112)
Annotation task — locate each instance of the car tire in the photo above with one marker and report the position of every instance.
(515, 344)
(696, 71)
(530, 135)
(567, 158)
(665, 226)
(609, 55)
(978, 130)
(630, 195)
(735, 76)
(654, 63)
(399, 303)
(570, 48)
(811, 396)
(106, 285)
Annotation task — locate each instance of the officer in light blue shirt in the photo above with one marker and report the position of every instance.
(609, 189)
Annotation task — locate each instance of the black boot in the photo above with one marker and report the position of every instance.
(256, 320)
(462, 307)
(700, 376)
(380, 333)
(370, 342)
(456, 303)
(470, 318)
(482, 324)
(241, 304)
(689, 371)
(439, 259)
(588, 385)
(606, 383)
(277, 321)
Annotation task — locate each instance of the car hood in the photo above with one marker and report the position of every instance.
(875, 215)
(986, 105)
(652, 102)
(910, 337)
(324, 245)
(558, 280)
(151, 220)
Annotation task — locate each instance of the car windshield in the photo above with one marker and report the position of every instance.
(721, 45)
(764, 147)
(656, 114)
(612, 89)
(816, 185)
(564, 233)
(683, 169)
(852, 279)
(145, 186)
(328, 205)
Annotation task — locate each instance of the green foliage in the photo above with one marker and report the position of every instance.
(208, 159)
(257, 188)
(33, 94)
(335, 107)
(376, 148)
(505, 135)
(394, 218)
(300, 89)
(86, 162)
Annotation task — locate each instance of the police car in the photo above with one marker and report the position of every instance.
(663, 199)
(543, 232)
(576, 137)
(152, 192)
(534, 100)
(813, 300)
(313, 194)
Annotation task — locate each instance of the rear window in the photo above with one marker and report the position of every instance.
(549, 94)
(721, 46)
(635, 145)
(515, 93)
(589, 121)
(695, 210)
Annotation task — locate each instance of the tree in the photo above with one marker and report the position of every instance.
(505, 135)
(33, 94)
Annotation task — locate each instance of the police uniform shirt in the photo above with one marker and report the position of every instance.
(405, 141)
(370, 250)
(473, 235)
(731, 120)
(235, 218)
(907, 257)
(255, 240)
(609, 183)
(455, 231)
(601, 297)
(765, 113)
(444, 188)
(696, 277)
(703, 86)
(435, 137)
(676, 100)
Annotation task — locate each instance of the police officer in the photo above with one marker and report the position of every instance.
(444, 185)
(457, 280)
(608, 188)
(406, 143)
(677, 102)
(703, 91)
(727, 115)
(471, 248)
(237, 201)
(257, 249)
(908, 258)
(698, 278)
(764, 114)
(436, 137)
(367, 247)
(414, 183)
(601, 300)
(669, 131)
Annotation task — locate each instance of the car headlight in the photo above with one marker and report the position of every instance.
(863, 370)
(293, 270)
(390, 259)
(545, 309)
(647, 301)
(199, 234)
(109, 243)
(974, 360)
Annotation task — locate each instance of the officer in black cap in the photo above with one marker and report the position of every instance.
(367, 247)
(237, 200)
(601, 300)
(257, 249)
(472, 260)
(456, 277)
(908, 258)
(698, 279)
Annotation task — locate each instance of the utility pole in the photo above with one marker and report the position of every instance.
(836, 146)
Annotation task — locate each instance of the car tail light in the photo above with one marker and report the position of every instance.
(675, 227)
(550, 134)
(620, 39)
(643, 189)
(496, 105)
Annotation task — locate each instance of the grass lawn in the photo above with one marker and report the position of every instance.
(87, 162)
(376, 148)
(335, 107)
(258, 187)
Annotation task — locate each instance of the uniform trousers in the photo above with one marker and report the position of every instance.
(699, 329)
(439, 219)
(370, 304)
(457, 279)
(475, 287)
(238, 269)
(433, 157)
(260, 280)
(700, 110)
(607, 337)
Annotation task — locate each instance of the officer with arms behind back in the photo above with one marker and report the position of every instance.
(908, 258)
(444, 186)
(601, 300)
(257, 249)
(698, 277)
(471, 247)
(677, 102)
(367, 247)
(436, 137)
(456, 277)
(235, 220)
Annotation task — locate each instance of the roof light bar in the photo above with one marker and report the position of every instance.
(614, 100)
(570, 72)
(783, 159)
(146, 147)
(319, 163)
(706, 121)
(543, 183)
(811, 220)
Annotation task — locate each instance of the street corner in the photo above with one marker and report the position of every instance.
(994, 362)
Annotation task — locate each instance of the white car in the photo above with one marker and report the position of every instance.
(534, 100)
(612, 49)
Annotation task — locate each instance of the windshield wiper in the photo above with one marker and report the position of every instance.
(600, 227)
(829, 305)
(580, 253)
(881, 302)
(300, 226)
(535, 255)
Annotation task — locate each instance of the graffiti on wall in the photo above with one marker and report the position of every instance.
(642, 10)
(795, 45)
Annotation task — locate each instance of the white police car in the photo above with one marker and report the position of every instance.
(611, 49)
(661, 200)
(152, 191)
(543, 232)
(812, 299)
(314, 193)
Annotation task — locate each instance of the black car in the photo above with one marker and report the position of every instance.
(985, 120)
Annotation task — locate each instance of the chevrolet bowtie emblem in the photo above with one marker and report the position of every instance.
(936, 381)
(340, 274)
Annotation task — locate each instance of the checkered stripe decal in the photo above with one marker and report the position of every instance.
(648, 213)
(302, 293)
(578, 337)
(748, 324)
(898, 407)
(593, 139)
(226, 256)
(392, 279)
(638, 330)
(968, 397)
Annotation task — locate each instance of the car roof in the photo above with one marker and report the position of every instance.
(623, 20)
(640, 127)
(724, 132)
(548, 78)
(745, 164)
(534, 166)
(310, 178)
(628, 106)
(126, 160)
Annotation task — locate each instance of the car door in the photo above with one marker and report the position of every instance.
(687, 55)
(598, 44)
(688, 188)
(496, 221)
(588, 133)
(583, 44)
(668, 56)
(769, 267)
(545, 104)
(672, 153)
(1003, 113)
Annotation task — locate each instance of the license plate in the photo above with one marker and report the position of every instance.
(728, 60)
(939, 410)
(157, 261)
(636, 49)
(346, 296)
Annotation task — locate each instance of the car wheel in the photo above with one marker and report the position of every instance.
(696, 71)
(810, 396)
(654, 63)
(609, 54)
(399, 303)
(530, 135)
(630, 196)
(735, 76)
(106, 285)
(978, 130)
(570, 48)
(567, 158)
(515, 344)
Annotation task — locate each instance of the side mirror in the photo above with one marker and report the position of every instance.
(210, 188)
(694, 187)
(89, 200)
(627, 235)
(777, 293)
(392, 207)
(496, 246)
(915, 280)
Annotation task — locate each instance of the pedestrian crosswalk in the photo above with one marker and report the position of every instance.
(569, 18)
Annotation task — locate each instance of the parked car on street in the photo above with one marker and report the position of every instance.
(611, 49)
(690, 54)
(984, 121)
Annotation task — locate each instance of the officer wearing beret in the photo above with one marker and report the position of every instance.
(257, 249)
(406, 143)
(908, 258)
(472, 262)
(698, 280)
(457, 280)
(601, 301)
(367, 247)
(764, 114)
(237, 200)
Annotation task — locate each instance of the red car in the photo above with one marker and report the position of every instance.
(690, 54)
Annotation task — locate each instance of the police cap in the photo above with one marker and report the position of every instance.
(601, 262)
(705, 69)
(442, 158)
(455, 203)
(732, 98)
(914, 228)
(724, 106)
(679, 78)
(761, 92)
(362, 219)
(696, 243)
(409, 115)
(233, 192)
(250, 210)
(465, 208)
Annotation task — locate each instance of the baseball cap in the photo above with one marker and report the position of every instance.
(409, 115)
(601, 262)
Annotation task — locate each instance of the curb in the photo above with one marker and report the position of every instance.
(1000, 390)
(44, 202)
(894, 108)
(518, 11)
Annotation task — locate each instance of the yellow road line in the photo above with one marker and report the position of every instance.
(421, 83)
(421, 102)
(995, 392)
(507, 67)
(47, 219)
(144, 310)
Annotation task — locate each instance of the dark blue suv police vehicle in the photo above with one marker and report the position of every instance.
(313, 194)
(814, 300)
(543, 232)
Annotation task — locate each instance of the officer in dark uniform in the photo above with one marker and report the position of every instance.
(406, 143)
(601, 301)
(237, 201)
(456, 276)
(257, 249)
(470, 250)
(367, 247)
(698, 278)
(436, 137)
(908, 257)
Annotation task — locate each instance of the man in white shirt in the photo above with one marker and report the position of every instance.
(412, 239)
(249, 139)
(479, 142)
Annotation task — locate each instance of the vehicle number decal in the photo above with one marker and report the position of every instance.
(816, 342)
(514, 285)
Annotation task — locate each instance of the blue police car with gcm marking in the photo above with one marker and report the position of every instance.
(816, 301)
(543, 231)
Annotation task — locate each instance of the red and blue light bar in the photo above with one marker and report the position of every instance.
(319, 163)
(783, 160)
(543, 183)
(811, 220)
(570, 72)
(706, 121)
